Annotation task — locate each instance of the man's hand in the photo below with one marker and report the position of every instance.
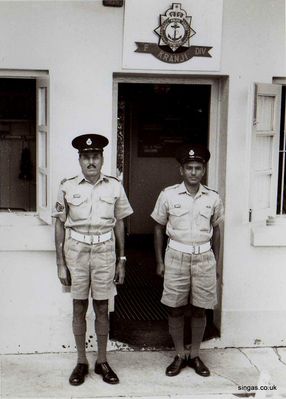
(120, 272)
(64, 274)
(160, 269)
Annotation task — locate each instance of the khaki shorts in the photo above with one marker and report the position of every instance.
(189, 279)
(91, 267)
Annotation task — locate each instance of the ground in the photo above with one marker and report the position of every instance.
(235, 372)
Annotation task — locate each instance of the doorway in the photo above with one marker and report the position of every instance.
(153, 120)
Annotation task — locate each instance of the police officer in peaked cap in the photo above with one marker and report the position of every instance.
(191, 215)
(89, 214)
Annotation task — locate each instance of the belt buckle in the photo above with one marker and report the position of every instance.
(196, 252)
(95, 239)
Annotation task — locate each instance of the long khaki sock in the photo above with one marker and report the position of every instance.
(198, 328)
(176, 330)
(101, 348)
(101, 328)
(80, 346)
(79, 328)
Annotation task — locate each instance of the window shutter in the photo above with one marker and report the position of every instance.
(265, 151)
(43, 151)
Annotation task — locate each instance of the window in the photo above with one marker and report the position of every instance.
(17, 144)
(281, 194)
(43, 153)
(268, 160)
(24, 145)
(265, 151)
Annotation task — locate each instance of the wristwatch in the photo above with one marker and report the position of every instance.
(122, 258)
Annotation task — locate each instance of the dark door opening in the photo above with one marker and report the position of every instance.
(17, 144)
(153, 120)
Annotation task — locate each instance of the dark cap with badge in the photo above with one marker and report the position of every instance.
(192, 152)
(90, 142)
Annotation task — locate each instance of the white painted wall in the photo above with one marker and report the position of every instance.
(80, 43)
(254, 301)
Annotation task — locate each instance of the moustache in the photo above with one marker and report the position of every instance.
(91, 166)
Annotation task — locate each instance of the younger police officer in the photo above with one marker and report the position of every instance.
(192, 214)
(90, 209)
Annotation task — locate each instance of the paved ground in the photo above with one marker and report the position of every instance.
(142, 374)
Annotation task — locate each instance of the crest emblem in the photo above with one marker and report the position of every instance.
(175, 33)
(88, 142)
(175, 28)
(191, 153)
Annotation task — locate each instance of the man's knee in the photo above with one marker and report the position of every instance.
(79, 313)
(101, 321)
(198, 312)
(80, 307)
(176, 312)
(100, 307)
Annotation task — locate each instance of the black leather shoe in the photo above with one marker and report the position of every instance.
(200, 368)
(78, 375)
(176, 366)
(107, 373)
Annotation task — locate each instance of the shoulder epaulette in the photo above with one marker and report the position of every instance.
(112, 177)
(171, 187)
(210, 189)
(70, 178)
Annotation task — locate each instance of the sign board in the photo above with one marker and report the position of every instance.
(172, 36)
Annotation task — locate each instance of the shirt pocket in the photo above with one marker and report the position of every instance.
(79, 207)
(203, 220)
(179, 218)
(107, 206)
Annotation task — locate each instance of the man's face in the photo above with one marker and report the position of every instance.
(192, 172)
(91, 163)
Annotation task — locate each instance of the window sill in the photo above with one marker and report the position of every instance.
(21, 231)
(273, 234)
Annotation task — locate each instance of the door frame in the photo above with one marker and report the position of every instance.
(217, 134)
(215, 111)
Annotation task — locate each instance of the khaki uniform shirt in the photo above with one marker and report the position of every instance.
(189, 220)
(91, 208)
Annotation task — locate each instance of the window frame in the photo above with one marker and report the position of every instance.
(43, 150)
(281, 194)
(42, 212)
(263, 91)
(269, 231)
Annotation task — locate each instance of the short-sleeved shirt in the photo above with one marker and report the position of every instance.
(91, 208)
(189, 220)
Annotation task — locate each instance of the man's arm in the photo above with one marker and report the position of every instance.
(216, 245)
(120, 266)
(63, 272)
(159, 231)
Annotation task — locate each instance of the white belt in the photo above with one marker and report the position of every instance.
(91, 238)
(190, 249)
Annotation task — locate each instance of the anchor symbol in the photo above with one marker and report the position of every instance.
(175, 37)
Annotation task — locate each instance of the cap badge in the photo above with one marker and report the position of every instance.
(88, 142)
(192, 152)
